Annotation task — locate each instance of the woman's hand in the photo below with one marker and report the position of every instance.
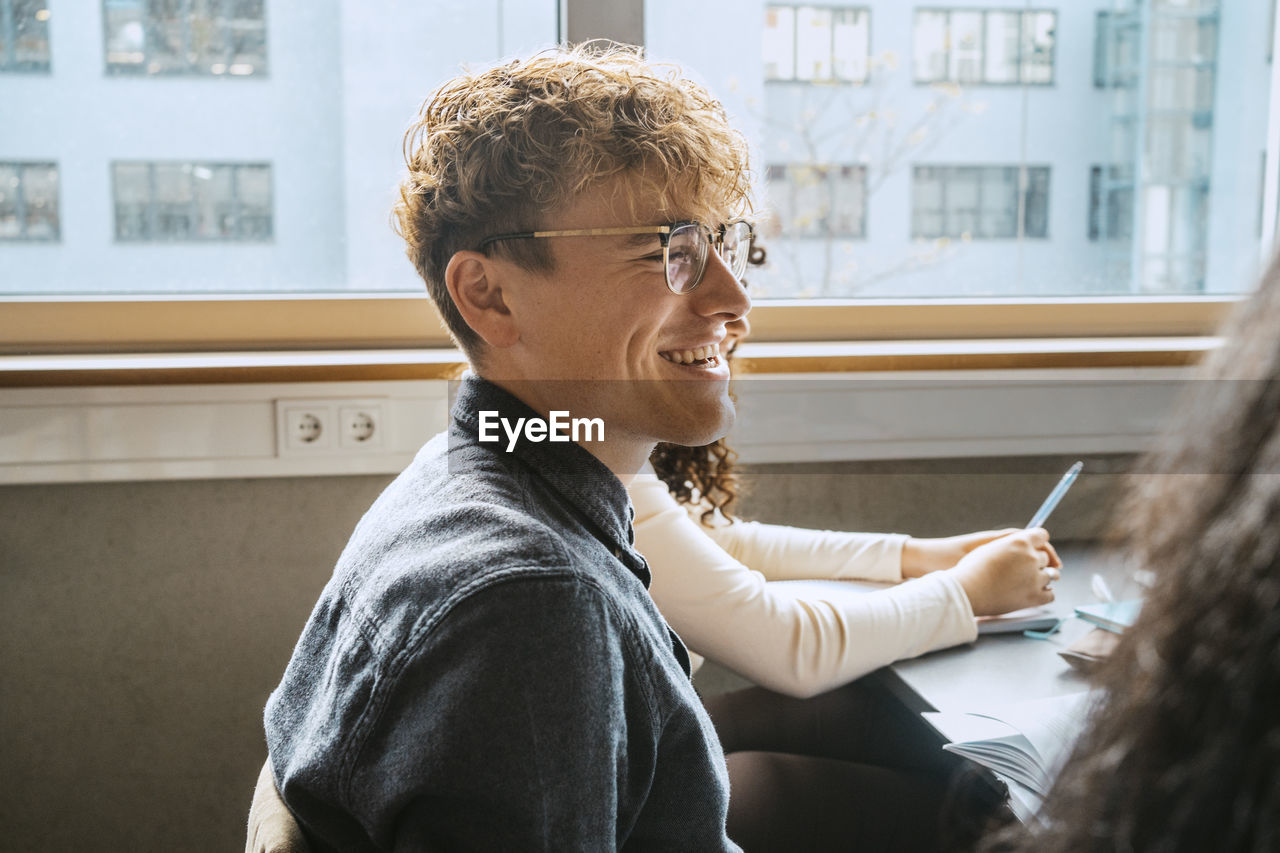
(921, 556)
(1010, 572)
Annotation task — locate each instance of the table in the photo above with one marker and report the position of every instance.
(1010, 667)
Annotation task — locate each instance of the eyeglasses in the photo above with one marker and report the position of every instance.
(685, 247)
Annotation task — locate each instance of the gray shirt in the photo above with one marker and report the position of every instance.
(486, 670)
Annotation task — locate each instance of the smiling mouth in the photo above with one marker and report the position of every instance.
(708, 356)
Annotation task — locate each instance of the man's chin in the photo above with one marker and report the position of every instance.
(704, 428)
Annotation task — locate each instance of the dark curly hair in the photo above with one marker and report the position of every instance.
(705, 473)
(1183, 754)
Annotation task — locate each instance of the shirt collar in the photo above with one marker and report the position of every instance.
(584, 481)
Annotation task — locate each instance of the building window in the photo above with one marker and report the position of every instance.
(24, 35)
(214, 37)
(816, 43)
(980, 202)
(984, 47)
(157, 202)
(1116, 46)
(1114, 216)
(29, 201)
(819, 200)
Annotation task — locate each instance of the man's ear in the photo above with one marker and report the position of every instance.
(475, 283)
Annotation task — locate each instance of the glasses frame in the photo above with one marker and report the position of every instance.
(714, 238)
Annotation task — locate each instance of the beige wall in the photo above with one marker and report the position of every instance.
(144, 625)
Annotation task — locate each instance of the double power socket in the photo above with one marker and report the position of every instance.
(329, 426)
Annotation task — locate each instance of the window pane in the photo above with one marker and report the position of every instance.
(1037, 46)
(812, 196)
(215, 201)
(1003, 30)
(999, 216)
(852, 35)
(30, 24)
(253, 191)
(10, 192)
(40, 192)
(132, 187)
(850, 203)
(213, 37)
(174, 201)
(247, 36)
(813, 43)
(973, 185)
(125, 33)
(779, 43)
(966, 47)
(176, 166)
(167, 40)
(1036, 217)
(929, 50)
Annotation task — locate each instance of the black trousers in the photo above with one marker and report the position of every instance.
(850, 769)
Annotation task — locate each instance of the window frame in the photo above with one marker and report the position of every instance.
(9, 64)
(984, 11)
(192, 68)
(1021, 211)
(833, 80)
(373, 321)
(156, 236)
(21, 166)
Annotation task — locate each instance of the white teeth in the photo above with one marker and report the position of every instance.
(689, 356)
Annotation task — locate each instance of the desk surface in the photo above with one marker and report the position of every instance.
(1011, 667)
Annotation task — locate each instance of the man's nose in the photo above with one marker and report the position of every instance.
(721, 293)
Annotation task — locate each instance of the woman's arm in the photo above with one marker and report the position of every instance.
(732, 614)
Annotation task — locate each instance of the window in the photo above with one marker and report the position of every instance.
(213, 37)
(328, 119)
(192, 201)
(28, 201)
(980, 202)
(818, 200)
(984, 47)
(24, 35)
(816, 44)
(1114, 216)
(1115, 51)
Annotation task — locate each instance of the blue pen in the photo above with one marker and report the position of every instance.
(1042, 514)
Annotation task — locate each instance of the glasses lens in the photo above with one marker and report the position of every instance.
(686, 257)
(736, 249)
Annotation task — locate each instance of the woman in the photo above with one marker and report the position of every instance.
(1183, 754)
(812, 766)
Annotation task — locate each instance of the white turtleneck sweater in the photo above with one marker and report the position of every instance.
(716, 587)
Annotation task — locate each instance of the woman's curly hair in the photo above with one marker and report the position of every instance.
(1183, 754)
(495, 151)
(704, 474)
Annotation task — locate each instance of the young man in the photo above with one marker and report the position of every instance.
(486, 670)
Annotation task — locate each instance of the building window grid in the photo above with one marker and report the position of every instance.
(29, 202)
(1020, 62)
(1110, 203)
(183, 211)
(185, 37)
(857, 17)
(24, 35)
(840, 214)
(1005, 202)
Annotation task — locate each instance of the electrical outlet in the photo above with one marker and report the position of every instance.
(360, 426)
(329, 426)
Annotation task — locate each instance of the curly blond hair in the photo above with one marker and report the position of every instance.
(496, 151)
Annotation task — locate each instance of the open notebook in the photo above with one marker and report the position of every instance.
(1025, 742)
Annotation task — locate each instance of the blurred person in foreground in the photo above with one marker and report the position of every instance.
(1182, 754)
